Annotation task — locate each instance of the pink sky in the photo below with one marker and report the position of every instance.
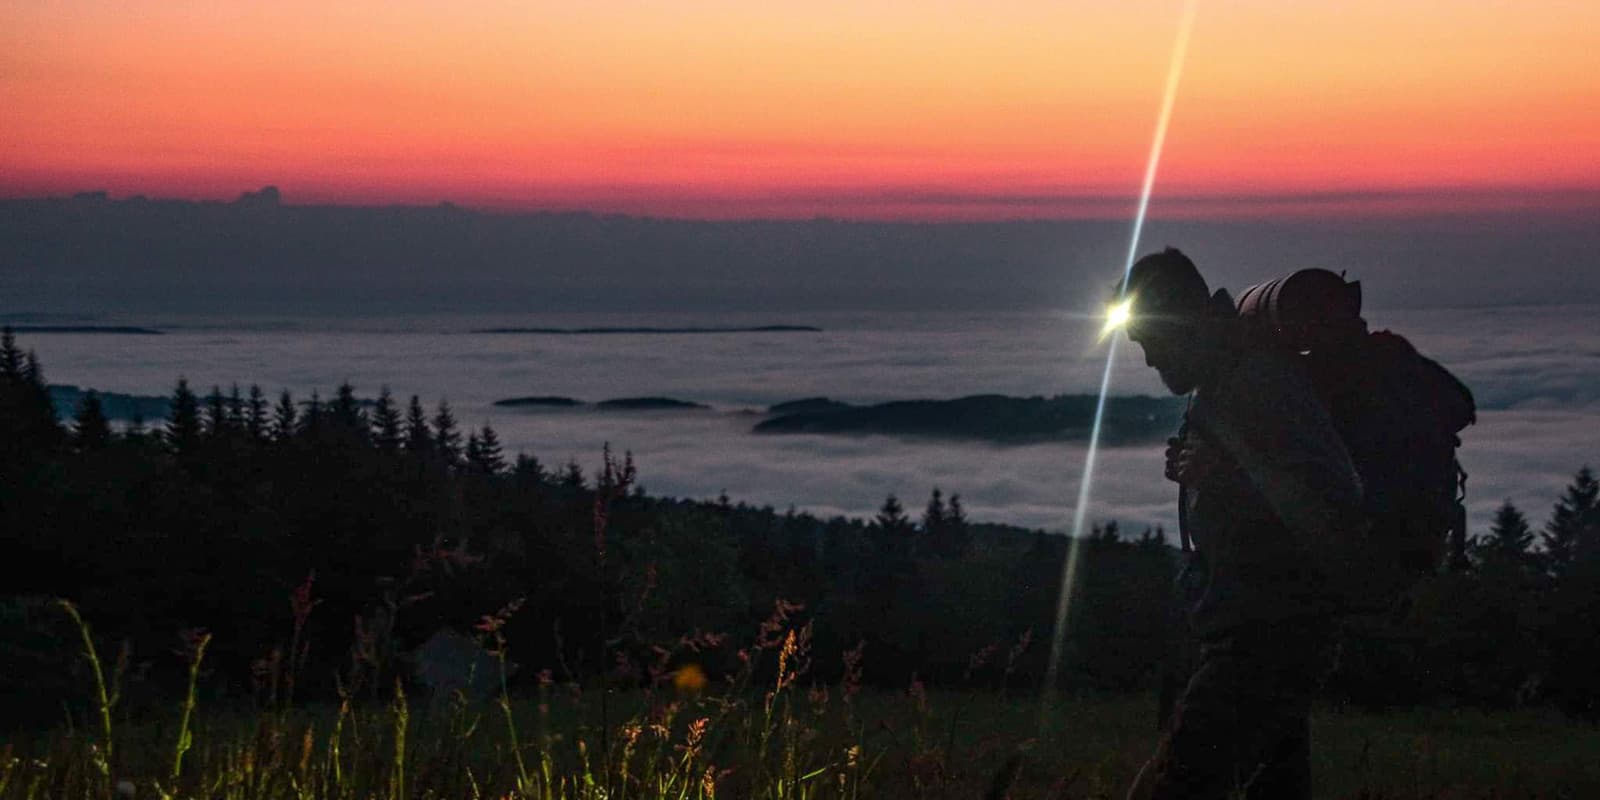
(928, 110)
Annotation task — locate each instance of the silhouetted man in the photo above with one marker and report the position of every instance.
(1269, 494)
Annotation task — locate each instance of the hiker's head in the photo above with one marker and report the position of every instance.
(1172, 318)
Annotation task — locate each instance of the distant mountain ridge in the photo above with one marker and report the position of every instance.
(261, 253)
(130, 330)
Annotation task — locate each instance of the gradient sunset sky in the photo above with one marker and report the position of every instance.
(922, 110)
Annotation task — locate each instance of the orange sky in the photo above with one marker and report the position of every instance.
(876, 109)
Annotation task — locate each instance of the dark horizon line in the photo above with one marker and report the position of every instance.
(1436, 201)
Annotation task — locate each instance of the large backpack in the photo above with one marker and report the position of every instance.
(1398, 412)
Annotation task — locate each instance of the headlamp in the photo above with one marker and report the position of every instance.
(1118, 315)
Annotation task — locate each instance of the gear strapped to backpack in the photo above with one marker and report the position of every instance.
(1398, 412)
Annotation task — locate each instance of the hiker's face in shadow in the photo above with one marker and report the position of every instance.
(1172, 349)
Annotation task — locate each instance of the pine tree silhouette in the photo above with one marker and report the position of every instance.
(957, 514)
(891, 518)
(487, 457)
(33, 374)
(182, 434)
(933, 516)
(528, 468)
(28, 419)
(312, 420)
(446, 437)
(419, 438)
(285, 418)
(943, 536)
(346, 416)
(11, 358)
(386, 422)
(255, 420)
(216, 420)
(1509, 541)
(236, 420)
(1155, 538)
(572, 476)
(1576, 506)
(90, 429)
(957, 534)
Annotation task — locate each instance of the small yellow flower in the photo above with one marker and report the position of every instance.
(689, 679)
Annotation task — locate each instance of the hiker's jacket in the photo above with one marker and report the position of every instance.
(1275, 523)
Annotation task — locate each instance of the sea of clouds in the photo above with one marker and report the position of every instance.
(1535, 371)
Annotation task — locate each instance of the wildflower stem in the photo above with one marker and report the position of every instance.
(102, 697)
(185, 739)
(402, 715)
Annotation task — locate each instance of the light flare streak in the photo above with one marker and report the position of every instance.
(1069, 573)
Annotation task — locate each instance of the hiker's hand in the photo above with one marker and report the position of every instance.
(1190, 460)
(1174, 453)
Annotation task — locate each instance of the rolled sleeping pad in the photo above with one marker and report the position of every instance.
(1305, 307)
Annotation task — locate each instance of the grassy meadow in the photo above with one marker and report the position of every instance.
(690, 736)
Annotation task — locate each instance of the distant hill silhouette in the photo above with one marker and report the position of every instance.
(263, 253)
(107, 329)
(986, 417)
(586, 331)
(615, 404)
(989, 417)
(541, 401)
(647, 404)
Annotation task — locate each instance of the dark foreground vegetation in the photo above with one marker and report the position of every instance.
(561, 740)
(349, 591)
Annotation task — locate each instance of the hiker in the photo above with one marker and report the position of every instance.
(1270, 503)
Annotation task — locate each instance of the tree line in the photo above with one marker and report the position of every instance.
(330, 537)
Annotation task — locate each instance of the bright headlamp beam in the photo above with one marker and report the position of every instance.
(1069, 573)
(1118, 315)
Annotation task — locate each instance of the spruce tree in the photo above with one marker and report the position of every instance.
(419, 438)
(1155, 538)
(182, 434)
(489, 459)
(32, 373)
(11, 358)
(939, 537)
(958, 538)
(90, 428)
(255, 420)
(933, 516)
(386, 422)
(285, 418)
(1561, 533)
(528, 468)
(470, 453)
(345, 413)
(957, 515)
(236, 420)
(1509, 541)
(312, 420)
(39, 393)
(572, 477)
(216, 423)
(891, 517)
(446, 437)
(1110, 532)
(28, 420)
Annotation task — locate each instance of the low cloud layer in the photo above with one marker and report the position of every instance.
(1536, 373)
